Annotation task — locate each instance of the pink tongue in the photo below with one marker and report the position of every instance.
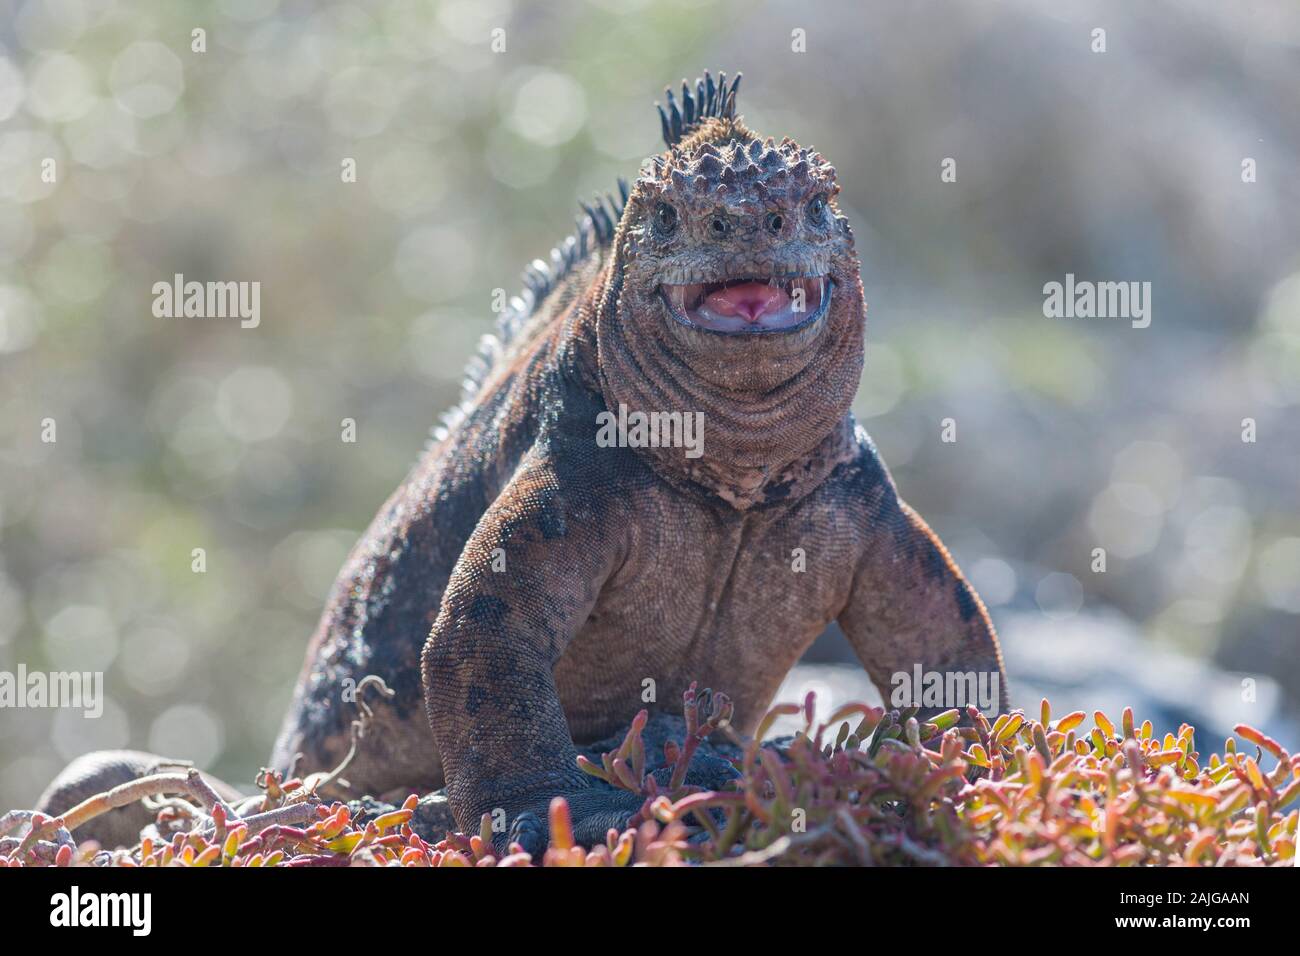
(749, 301)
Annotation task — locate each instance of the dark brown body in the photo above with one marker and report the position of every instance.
(529, 585)
(614, 576)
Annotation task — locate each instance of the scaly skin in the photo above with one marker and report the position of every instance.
(525, 582)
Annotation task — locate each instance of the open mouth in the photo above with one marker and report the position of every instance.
(749, 305)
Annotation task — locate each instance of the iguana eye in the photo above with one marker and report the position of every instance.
(665, 219)
(817, 208)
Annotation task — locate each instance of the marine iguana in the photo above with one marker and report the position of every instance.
(529, 585)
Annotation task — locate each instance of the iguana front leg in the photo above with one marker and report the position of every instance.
(525, 583)
(909, 605)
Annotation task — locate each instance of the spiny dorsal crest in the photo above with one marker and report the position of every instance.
(597, 229)
(541, 276)
(710, 100)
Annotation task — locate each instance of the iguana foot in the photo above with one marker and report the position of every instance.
(593, 813)
(529, 831)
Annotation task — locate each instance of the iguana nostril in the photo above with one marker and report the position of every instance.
(720, 226)
(774, 222)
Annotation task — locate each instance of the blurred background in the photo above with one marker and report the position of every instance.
(1072, 434)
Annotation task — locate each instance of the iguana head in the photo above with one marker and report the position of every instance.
(735, 291)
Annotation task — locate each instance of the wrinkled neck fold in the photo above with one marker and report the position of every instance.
(774, 409)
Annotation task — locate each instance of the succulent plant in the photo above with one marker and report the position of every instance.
(866, 786)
